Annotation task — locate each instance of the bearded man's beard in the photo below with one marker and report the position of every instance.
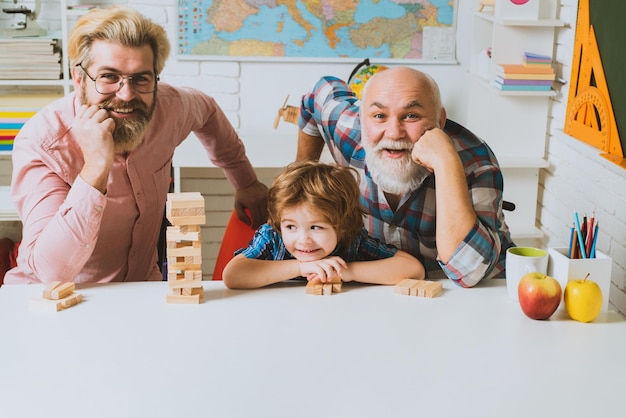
(128, 133)
(393, 175)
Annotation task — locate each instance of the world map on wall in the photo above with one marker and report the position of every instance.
(377, 29)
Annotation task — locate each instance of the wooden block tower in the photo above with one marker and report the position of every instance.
(185, 211)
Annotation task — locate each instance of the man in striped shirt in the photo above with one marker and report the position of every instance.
(428, 185)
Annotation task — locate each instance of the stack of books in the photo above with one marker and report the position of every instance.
(11, 121)
(16, 109)
(537, 60)
(534, 74)
(30, 58)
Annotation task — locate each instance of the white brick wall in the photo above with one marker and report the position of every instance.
(579, 179)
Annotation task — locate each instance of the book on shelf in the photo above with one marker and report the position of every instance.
(522, 69)
(525, 76)
(531, 59)
(30, 58)
(27, 45)
(80, 6)
(31, 74)
(522, 87)
(26, 102)
(514, 82)
(11, 121)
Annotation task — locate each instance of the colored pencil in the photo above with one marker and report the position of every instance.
(592, 253)
(580, 235)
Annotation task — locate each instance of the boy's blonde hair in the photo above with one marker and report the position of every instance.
(331, 191)
(120, 24)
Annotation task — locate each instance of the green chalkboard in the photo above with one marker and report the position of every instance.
(608, 20)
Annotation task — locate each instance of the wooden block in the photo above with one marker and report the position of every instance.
(420, 288)
(327, 289)
(185, 199)
(184, 275)
(183, 233)
(55, 305)
(403, 287)
(184, 263)
(58, 290)
(433, 289)
(184, 251)
(184, 266)
(183, 299)
(198, 291)
(184, 284)
(187, 220)
(185, 208)
(314, 288)
(319, 288)
(192, 291)
(73, 299)
(183, 244)
(193, 274)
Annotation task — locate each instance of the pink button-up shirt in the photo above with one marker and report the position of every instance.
(72, 232)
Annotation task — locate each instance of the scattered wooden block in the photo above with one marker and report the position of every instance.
(55, 305)
(327, 289)
(421, 288)
(58, 290)
(314, 288)
(319, 288)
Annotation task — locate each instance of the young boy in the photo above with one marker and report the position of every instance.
(315, 230)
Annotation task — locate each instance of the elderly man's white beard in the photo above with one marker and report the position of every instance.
(393, 175)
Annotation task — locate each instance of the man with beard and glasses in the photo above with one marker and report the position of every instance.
(428, 185)
(91, 171)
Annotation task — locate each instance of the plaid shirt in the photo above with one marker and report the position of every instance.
(267, 244)
(332, 110)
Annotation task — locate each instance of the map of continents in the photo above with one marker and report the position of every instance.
(394, 29)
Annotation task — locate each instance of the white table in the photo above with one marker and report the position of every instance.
(277, 352)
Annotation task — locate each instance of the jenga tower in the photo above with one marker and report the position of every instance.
(185, 211)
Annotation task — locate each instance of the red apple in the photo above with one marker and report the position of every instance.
(539, 295)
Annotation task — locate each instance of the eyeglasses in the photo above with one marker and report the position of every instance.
(109, 83)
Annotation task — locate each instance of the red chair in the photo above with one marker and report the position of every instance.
(8, 256)
(237, 235)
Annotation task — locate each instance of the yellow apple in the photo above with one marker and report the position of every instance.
(583, 299)
(539, 295)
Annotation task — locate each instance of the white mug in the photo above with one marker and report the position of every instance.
(522, 260)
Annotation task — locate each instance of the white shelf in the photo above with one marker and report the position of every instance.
(525, 232)
(513, 22)
(509, 161)
(513, 123)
